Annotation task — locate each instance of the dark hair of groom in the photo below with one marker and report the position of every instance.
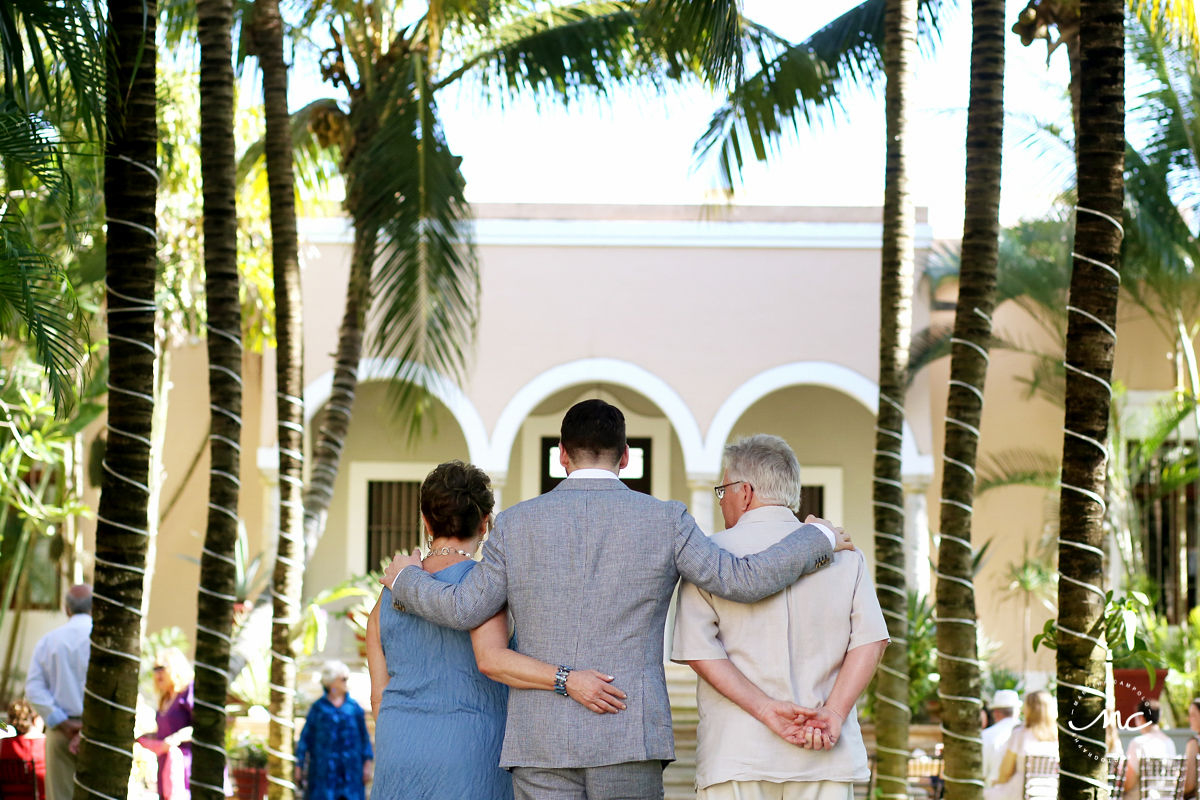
(593, 432)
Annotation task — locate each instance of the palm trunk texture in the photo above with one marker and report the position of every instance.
(959, 690)
(214, 602)
(334, 419)
(287, 579)
(895, 334)
(1091, 340)
(122, 530)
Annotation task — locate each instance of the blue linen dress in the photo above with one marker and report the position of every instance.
(441, 722)
(335, 744)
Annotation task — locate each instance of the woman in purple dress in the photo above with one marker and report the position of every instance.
(172, 741)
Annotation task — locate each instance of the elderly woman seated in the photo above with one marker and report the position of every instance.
(23, 757)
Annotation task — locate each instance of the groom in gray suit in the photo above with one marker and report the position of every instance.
(587, 571)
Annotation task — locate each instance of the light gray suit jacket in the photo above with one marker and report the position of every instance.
(588, 571)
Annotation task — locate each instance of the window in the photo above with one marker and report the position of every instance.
(393, 519)
(39, 581)
(812, 501)
(636, 476)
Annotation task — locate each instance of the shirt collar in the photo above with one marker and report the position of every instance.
(767, 514)
(593, 473)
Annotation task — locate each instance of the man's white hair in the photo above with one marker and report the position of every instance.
(768, 464)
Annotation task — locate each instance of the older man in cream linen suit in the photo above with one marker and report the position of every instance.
(587, 571)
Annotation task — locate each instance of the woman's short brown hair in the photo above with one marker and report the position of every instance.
(21, 715)
(455, 499)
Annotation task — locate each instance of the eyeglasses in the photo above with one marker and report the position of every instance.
(720, 490)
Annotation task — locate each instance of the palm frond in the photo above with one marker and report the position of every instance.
(1047, 380)
(37, 304)
(177, 22)
(561, 52)
(1017, 468)
(427, 280)
(1173, 19)
(1160, 253)
(63, 44)
(712, 30)
(30, 145)
(319, 132)
(798, 84)
(933, 343)
(1162, 425)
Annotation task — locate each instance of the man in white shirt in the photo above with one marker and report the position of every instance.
(1005, 705)
(54, 686)
(815, 644)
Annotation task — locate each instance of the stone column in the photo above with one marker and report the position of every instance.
(916, 534)
(498, 480)
(703, 502)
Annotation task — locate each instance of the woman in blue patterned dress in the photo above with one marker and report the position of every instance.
(334, 755)
(439, 718)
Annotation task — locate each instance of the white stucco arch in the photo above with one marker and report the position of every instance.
(317, 393)
(805, 373)
(591, 371)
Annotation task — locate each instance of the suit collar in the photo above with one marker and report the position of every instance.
(592, 485)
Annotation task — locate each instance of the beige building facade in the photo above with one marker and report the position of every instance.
(702, 324)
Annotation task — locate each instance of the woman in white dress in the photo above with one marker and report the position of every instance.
(1036, 737)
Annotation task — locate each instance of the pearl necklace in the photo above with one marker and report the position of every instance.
(446, 551)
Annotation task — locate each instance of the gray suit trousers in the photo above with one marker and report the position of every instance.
(635, 780)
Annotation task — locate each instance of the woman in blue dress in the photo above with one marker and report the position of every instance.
(439, 720)
(333, 756)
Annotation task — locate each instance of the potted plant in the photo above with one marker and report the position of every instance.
(248, 767)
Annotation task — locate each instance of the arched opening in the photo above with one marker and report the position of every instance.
(833, 436)
(657, 463)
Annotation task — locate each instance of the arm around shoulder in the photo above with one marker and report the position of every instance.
(463, 606)
(749, 579)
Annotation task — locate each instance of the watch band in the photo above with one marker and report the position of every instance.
(560, 680)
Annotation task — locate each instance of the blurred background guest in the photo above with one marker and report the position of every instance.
(334, 756)
(1038, 736)
(23, 755)
(172, 741)
(1150, 743)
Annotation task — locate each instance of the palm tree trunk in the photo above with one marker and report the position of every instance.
(895, 334)
(1091, 339)
(959, 688)
(332, 426)
(334, 420)
(287, 579)
(214, 602)
(122, 530)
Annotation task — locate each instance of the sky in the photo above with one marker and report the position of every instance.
(638, 147)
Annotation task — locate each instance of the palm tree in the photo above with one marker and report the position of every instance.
(1160, 248)
(49, 65)
(895, 332)
(122, 530)
(959, 688)
(793, 84)
(215, 600)
(1057, 22)
(412, 252)
(287, 579)
(1091, 339)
